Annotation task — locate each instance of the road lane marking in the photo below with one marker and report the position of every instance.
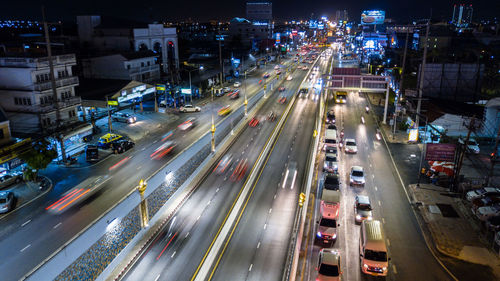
(258, 245)
(270, 210)
(209, 201)
(250, 268)
(144, 148)
(155, 141)
(198, 218)
(28, 221)
(187, 234)
(376, 188)
(388, 242)
(217, 190)
(57, 225)
(138, 168)
(23, 249)
(157, 277)
(380, 204)
(265, 225)
(394, 269)
(383, 220)
(173, 254)
(274, 196)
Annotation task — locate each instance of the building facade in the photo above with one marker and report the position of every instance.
(138, 66)
(131, 36)
(462, 15)
(260, 14)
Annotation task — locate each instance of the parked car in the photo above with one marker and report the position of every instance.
(189, 108)
(329, 265)
(91, 153)
(480, 192)
(123, 117)
(472, 145)
(493, 223)
(483, 213)
(237, 84)
(357, 176)
(332, 182)
(10, 179)
(362, 208)
(6, 201)
(106, 140)
(121, 145)
(484, 201)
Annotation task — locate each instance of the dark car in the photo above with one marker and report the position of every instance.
(121, 146)
(6, 201)
(92, 153)
(330, 117)
(332, 182)
(493, 223)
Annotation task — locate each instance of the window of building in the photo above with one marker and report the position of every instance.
(128, 66)
(148, 63)
(16, 101)
(142, 64)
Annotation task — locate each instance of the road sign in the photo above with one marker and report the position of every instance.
(440, 152)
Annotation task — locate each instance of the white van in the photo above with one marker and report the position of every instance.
(330, 138)
(373, 257)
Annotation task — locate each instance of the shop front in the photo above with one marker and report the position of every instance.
(73, 141)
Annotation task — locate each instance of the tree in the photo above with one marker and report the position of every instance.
(38, 157)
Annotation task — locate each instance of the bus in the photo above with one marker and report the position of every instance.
(340, 97)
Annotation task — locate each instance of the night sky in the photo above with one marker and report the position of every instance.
(202, 10)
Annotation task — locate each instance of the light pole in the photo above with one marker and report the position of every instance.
(424, 142)
(143, 210)
(246, 101)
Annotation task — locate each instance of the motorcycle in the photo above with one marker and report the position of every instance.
(367, 109)
(378, 135)
(362, 119)
(342, 134)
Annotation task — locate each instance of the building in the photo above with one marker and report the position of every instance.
(440, 37)
(106, 34)
(260, 14)
(141, 66)
(341, 15)
(250, 33)
(28, 99)
(462, 15)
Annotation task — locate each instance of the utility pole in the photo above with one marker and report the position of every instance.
(494, 155)
(53, 85)
(422, 71)
(404, 62)
(220, 59)
(458, 166)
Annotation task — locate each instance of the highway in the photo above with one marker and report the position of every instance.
(30, 234)
(180, 247)
(258, 248)
(410, 257)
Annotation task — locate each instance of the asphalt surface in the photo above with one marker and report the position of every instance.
(176, 253)
(258, 248)
(30, 234)
(410, 257)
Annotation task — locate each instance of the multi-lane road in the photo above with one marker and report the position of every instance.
(30, 234)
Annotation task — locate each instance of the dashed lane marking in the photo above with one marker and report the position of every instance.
(23, 249)
(57, 225)
(250, 268)
(25, 223)
(173, 254)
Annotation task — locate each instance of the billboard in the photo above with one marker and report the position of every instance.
(440, 152)
(372, 17)
(278, 38)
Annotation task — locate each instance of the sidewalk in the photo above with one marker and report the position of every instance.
(451, 227)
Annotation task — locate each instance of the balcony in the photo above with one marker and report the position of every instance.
(48, 107)
(62, 82)
(136, 70)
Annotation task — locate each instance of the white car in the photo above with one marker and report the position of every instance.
(329, 265)
(123, 117)
(276, 67)
(10, 179)
(350, 146)
(472, 146)
(357, 176)
(289, 78)
(188, 124)
(189, 108)
(483, 213)
(237, 84)
(331, 164)
(480, 192)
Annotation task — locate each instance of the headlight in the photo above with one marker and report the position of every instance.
(365, 265)
(358, 217)
(337, 100)
(318, 234)
(369, 218)
(334, 236)
(351, 180)
(384, 268)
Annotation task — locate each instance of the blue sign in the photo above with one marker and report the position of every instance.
(236, 73)
(372, 17)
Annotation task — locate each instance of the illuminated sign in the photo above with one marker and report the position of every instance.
(259, 23)
(113, 102)
(440, 152)
(160, 87)
(372, 17)
(413, 135)
(278, 38)
(186, 91)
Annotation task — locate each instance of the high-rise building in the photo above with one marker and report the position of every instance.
(462, 15)
(341, 15)
(259, 11)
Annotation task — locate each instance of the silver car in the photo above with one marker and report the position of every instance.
(362, 208)
(6, 201)
(357, 176)
(123, 117)
(189, 108)
(9, 179)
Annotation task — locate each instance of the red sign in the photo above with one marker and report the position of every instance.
(440, 152)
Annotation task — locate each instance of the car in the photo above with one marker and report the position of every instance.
(10, 179)
(332, 182)
(483, 213)
(237, 84)
(305, 68)
(123, 117)
(188, 124)
(282, 99)
(331, 150)
(240, 170)
(224, 164)
(330, 117)
(276, 67)
(189, 108)
(357, 176)
(330, 164)
(6, 201)
(278, 72)
(271, 116)
(362, 208)
(254, 122)
(484, 201)
(281, 89)
(163, 150)
(224, 111)
(329, 268)
(121, 145)
(350, 146)
(480, 192)
(106, 140)
(289, 78)
(266, 75)
(226, 89)
(472, 145)
(493, 223)
(304, 92)
(235, 94)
